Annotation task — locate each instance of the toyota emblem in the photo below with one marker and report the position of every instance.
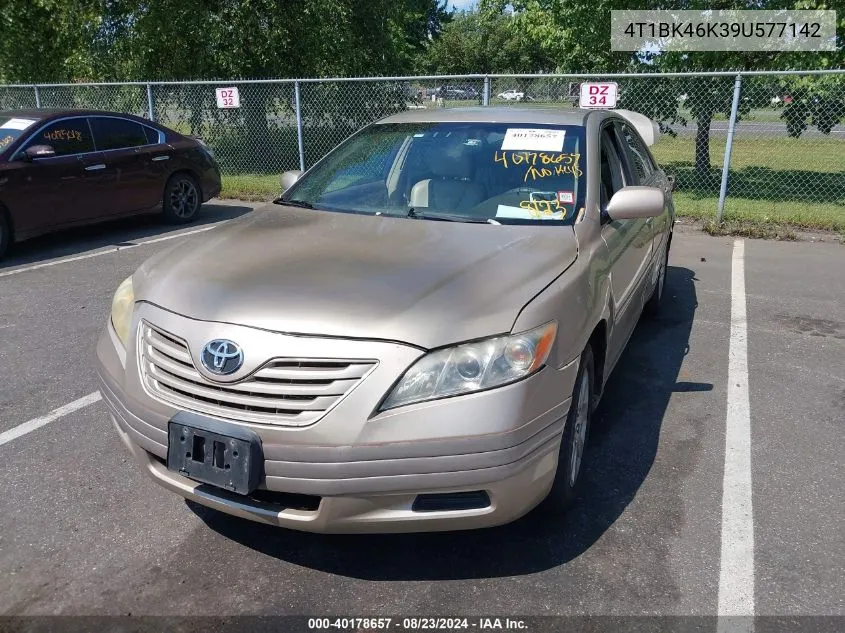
(222, 357)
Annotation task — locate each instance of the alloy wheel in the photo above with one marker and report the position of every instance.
(184, 198)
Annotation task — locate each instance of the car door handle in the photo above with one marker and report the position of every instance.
(157, 158)
(95, 167)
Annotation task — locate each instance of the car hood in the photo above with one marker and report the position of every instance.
(423, 282)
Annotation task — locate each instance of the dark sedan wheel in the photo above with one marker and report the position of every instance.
(182, 199)
(571, 457)
(5, 234)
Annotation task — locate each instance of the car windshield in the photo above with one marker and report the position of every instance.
(472, 172)
(11, 128)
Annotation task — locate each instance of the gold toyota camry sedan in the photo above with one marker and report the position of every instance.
(413, 337)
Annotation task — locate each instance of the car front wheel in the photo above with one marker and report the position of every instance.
(182, 199)
(575, 433)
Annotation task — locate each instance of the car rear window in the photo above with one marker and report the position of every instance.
(112, 133)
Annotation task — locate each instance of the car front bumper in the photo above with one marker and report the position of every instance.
(358, 471)
(211, 184)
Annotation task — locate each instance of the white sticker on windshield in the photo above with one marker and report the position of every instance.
(17, 124)
(566, 197)
(533, 212)
(533, 140)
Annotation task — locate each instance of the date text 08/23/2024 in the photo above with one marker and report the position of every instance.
(417, 623)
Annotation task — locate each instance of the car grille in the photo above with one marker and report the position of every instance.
(284, 391)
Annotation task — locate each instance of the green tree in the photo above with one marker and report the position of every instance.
(63, 40)
(259, 39)
(485, 41)
(813, 100)
(575, 36)
(820, 100)
(46, 40)
(701, 96)
(256, 39)
(710, 96)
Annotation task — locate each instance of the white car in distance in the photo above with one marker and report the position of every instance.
(512, 95)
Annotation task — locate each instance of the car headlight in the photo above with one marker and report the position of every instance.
(121, 310)
(473, 366)
(204, 146)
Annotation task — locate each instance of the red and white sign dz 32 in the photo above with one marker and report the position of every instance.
(228, 98)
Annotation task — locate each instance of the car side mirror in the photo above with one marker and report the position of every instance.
(630, 203)
(38, 151)
(289, 178)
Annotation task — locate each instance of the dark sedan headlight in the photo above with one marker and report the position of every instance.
(205, 147)
(473, 367)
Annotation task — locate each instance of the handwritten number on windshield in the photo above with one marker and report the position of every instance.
(541, 164)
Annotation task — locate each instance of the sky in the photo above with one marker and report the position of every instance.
(461, 4)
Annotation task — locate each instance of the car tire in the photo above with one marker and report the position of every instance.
(182, 199)
(652, 306)
(5, 234)
(570, 462)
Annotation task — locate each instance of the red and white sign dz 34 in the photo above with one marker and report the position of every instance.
(598, 94)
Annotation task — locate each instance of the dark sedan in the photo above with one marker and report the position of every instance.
(62, 168)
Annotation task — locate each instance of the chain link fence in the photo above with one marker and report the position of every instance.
(787, 154)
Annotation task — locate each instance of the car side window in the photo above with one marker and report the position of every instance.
(66, 137)
(151, 134)
(112, 133)
(640, 158)
(612, 178)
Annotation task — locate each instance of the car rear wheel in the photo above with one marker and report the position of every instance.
(182, 199)
(5, 234)
(571, 456)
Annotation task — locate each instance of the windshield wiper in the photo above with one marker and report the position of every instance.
(294, 203)
(446, 217)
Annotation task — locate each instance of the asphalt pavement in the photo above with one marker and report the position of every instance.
(84, 532)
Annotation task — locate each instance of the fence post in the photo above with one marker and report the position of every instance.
(299, 126)
(150, 108)
(723, 189)
(485, 95)
(37, 97)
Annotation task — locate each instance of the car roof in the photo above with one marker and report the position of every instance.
(49, 113)
(549, 116)
(647, 129)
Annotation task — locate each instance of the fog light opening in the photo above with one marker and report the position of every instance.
(451, 501)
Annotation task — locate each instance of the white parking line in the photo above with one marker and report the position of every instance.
(55, 414)
(736, 575)
(65, 260)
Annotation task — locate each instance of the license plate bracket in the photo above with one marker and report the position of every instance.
(214, 452)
